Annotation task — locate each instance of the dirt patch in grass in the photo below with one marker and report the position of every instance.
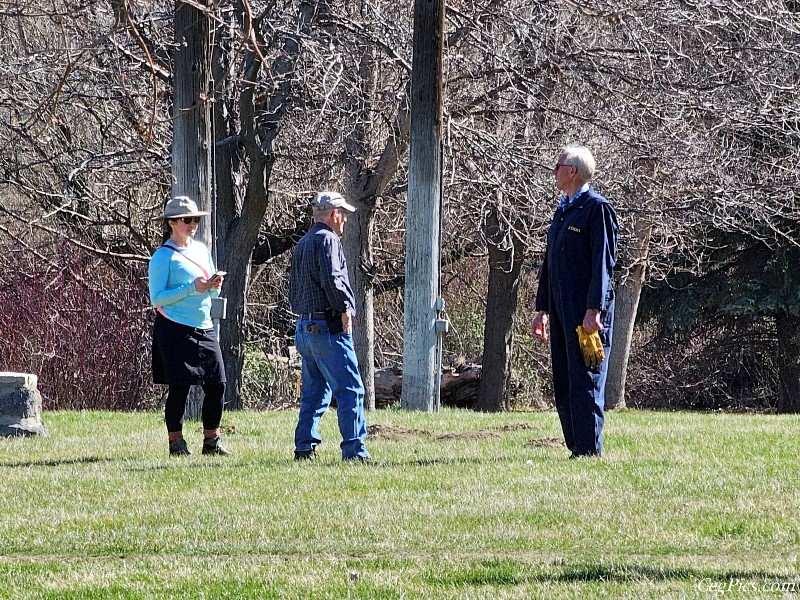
(517, 426)
(486, 434)
(396, 433)
(480, 434)
(544, 443)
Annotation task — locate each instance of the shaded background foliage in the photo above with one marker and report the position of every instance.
(690, 108)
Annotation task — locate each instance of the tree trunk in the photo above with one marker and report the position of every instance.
(358, 252)
(358, 233)
(191, 164)
(364, 186)
(228, 207)
(788, 362)
(240, 212)
(627, 305)
(232, 332)
(506, 253)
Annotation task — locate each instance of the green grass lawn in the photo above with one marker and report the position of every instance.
(455, 505)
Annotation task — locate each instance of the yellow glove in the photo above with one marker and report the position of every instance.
(591, 347)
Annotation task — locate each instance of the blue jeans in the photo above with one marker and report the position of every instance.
(330, 369)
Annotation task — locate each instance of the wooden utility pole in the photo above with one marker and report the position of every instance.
(191, 135)
(423, 209)
(191, 140)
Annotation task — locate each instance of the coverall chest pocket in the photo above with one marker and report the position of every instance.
(574, 233)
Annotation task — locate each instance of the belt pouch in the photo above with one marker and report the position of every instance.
(334, 321)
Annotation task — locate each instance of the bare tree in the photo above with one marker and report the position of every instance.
(506, 255)
(689, 107)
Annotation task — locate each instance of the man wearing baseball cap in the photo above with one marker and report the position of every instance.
(320, 294)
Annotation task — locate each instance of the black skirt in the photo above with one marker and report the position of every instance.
(185, 355)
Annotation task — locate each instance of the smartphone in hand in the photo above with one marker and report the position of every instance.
(218, 275)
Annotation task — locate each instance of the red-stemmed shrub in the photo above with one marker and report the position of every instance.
(81, 326)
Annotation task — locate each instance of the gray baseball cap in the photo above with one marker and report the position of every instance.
(327, 200)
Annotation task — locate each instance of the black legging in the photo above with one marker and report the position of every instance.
(176, 406)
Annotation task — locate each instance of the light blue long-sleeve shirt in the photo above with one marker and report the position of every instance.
(172, 272)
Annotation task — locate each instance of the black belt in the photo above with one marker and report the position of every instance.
(313, 315)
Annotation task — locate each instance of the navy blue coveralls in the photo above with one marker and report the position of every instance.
(577, 275)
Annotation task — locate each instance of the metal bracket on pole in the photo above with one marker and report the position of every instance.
(219, 308)
(442, 324)
(219, 311)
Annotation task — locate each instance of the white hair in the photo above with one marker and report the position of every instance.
(581, 158)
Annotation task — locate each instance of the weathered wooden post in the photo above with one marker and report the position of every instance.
(423, 208)
(191, 135)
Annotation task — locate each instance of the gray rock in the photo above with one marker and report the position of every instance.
(20, 405)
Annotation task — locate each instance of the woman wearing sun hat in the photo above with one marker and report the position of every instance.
(186, 349)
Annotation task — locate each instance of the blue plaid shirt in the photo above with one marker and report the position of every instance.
(318, 277)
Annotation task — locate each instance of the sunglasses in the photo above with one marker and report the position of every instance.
(188, 220)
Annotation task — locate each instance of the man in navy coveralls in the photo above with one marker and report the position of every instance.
(575, 288)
